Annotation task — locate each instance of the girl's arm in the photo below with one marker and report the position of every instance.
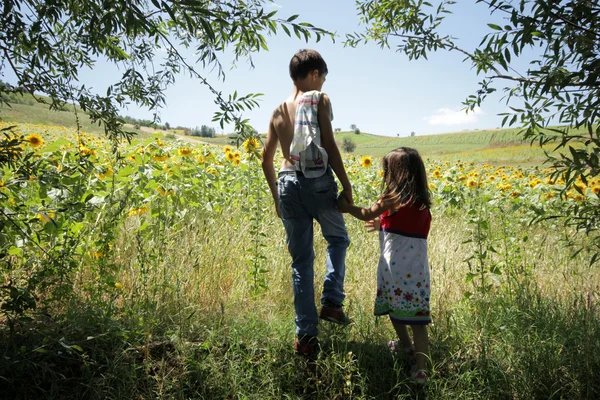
(365, 214)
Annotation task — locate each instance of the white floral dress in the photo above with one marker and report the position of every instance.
(403, 283)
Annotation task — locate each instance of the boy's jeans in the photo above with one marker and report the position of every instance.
(301, 200)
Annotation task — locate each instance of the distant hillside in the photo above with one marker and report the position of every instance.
(495, 145)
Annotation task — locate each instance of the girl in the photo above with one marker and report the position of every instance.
(402, 216)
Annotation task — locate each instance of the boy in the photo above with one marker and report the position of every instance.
(303, 193)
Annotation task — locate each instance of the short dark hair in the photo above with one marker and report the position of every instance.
(304, 62)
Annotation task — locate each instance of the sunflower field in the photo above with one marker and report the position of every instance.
(172, 243)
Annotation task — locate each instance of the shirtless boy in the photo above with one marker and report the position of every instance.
(299, 200)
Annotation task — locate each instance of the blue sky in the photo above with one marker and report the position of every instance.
(379, 90)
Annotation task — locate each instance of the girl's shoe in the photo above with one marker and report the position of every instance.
(419, 377)
(396, 348)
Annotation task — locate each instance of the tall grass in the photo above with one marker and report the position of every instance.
(185, 324)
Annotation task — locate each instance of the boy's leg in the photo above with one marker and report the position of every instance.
(299, 239)
(334, 231)
(333, 227)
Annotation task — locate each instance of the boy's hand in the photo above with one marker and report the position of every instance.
(373, 225)
(343, 204)
(347, 194)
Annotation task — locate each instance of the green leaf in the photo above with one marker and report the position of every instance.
(15, 251)
(495, 27)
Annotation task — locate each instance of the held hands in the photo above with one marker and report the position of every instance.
(373, 225)
(343, 204)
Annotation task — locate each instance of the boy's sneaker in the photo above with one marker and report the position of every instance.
(334, 313)
(307, 346)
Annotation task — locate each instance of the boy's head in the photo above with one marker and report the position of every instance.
(308, 70)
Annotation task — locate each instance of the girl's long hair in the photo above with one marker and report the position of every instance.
(405, 179)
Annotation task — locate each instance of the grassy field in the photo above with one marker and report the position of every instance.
(144, 274)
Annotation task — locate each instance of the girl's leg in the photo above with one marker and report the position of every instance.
(421, 345)
(402, 333)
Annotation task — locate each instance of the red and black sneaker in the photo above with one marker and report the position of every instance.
(307, 346)
(334, 313)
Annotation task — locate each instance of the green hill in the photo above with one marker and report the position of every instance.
(499, 146)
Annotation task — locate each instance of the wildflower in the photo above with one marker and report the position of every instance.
(366, 161)
(251, 144)
(161, 157)
(213, 171)
(118, 286)
(35, 140)
(86, 151)
(137, 211)
(185, 151)
(472, 184)
(46, 217)
(108, 172)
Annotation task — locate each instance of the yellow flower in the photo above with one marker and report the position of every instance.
(515, 194)
(86, 151)
(108, 172)
(118, 286)
(549, 195)
(366, 161)
(229, 156)
(251, 144)
(35, 140)
(184, 151)
(200, 159)
(227, 149)
(161, 157)
(212, 170)
(138, 211)
(436, 173)
(46, 217)
(472, 183)
(596, 190)
(431, 185)
(236, 161)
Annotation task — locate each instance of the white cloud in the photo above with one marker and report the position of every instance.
(447, 116)
(274, 5)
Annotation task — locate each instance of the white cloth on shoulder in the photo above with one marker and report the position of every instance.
(305, 150)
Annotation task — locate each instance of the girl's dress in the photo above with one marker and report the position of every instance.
(403, 272)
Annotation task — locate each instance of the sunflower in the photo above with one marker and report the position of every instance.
(184, 151)
(366, 161)
(237, 155)
(251, 144)
(35, 140)
(596, 190)
(227, 149)
(236, 162)
(230, 156)
(472, 183)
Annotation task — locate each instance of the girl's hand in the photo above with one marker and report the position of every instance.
(373, 225)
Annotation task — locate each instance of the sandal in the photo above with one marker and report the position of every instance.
(395, 347)
(419, 376)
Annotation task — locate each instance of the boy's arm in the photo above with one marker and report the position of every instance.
(267, 163)
(365, 214)
(328, 143)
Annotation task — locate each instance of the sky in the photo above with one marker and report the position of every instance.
(379, 90)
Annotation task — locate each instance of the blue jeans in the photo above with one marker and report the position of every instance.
(301, 200)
